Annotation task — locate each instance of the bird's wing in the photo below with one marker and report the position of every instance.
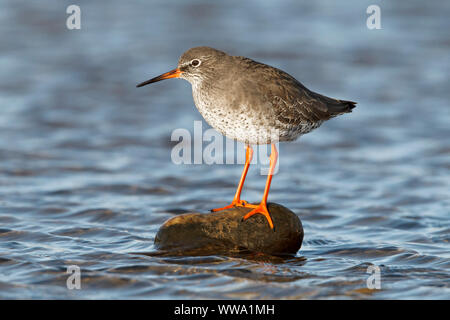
(291, 101)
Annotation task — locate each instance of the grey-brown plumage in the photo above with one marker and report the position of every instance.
(250, 101)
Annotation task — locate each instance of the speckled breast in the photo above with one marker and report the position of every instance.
(238, 123)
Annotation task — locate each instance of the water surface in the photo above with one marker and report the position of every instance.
(86, 176)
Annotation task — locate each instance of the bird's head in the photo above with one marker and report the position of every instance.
(195, 65)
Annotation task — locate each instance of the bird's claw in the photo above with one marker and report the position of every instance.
(233, 204)
(261, 209)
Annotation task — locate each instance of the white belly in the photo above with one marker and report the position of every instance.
(239, 124)
(244, 124)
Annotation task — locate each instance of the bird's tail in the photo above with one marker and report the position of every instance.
(337, 107)
(347, 106)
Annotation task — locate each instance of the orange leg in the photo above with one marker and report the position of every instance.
(237, 202)
(262, 207)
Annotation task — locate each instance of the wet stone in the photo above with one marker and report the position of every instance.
(224, 232)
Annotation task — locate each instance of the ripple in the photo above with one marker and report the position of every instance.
(86, 176)
(119, 189)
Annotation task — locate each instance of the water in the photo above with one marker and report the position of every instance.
(85, 171)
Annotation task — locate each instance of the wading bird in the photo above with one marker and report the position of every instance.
(253, 103)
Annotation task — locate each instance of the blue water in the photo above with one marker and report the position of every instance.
(86, 176)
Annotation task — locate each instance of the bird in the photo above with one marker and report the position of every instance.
(253, 103)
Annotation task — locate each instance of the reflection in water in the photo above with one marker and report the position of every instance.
(85, 171)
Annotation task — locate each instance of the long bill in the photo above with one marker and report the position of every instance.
(175, 73)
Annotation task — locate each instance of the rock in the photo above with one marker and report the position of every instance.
(224, 232)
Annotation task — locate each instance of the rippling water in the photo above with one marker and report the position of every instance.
(85, 171)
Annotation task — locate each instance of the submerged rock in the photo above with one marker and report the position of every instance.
(224, 232)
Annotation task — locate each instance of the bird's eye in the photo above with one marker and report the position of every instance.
(195, 63)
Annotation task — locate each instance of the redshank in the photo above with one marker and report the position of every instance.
(253, 103)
